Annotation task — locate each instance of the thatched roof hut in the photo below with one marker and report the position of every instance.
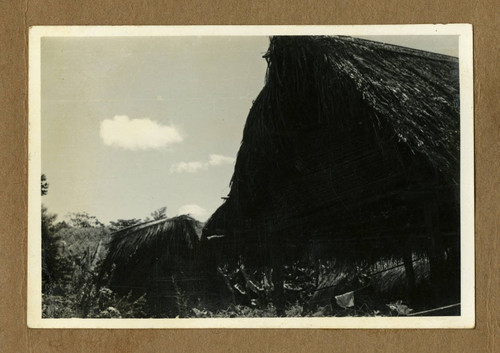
(154, 258)
(346, 149)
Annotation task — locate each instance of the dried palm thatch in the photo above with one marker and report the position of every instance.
(155, 258)
(351, 147)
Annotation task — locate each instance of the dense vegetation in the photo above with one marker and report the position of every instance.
(73, 284)
(72, 253)
(71, 260)
(72, 256)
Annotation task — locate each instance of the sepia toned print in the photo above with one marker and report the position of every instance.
(251, 177)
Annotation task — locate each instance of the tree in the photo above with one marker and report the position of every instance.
(84, 220)
(159, 213)
(54, 265)
(45, 185)
(49, 241)
(122, 223)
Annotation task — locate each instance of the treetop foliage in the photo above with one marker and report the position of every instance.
(45, 185)
(84, 220)
(159, 213)
(123, 223)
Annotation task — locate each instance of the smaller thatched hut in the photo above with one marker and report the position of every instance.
(155, 258)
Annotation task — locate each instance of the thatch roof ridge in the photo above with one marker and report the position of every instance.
(148, 223)
(139, 225)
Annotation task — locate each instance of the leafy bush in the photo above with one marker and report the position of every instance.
(71, 288)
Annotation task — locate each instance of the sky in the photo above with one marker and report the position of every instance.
(132, 124)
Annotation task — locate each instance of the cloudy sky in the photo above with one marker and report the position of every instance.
(133, 124)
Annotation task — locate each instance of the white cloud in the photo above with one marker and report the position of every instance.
(217, 159)
(193, 167)
(187, 167)
(137, 134)
(194, 210)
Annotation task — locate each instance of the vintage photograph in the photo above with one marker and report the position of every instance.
(251, 176)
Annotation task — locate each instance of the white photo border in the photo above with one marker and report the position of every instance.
(34, 295)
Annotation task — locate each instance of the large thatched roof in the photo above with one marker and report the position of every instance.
(344, 140)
